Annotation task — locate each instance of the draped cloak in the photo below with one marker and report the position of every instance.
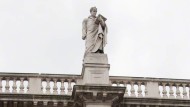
(95, 35)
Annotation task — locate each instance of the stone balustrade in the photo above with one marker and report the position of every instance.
(59, 84)
(34, 83)
(153, 87)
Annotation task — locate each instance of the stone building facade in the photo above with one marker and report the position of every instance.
(93, 88)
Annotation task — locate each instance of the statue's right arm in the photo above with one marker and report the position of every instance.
(84, 29)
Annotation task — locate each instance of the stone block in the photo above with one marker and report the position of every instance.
(95, 70)
(96, 58)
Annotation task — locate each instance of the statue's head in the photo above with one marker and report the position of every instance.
(93, 11)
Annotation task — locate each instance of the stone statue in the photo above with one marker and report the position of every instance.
(94, 31)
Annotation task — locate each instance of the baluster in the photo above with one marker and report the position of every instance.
(21, 85)
(132, 89)
(171, 92)
(117, 83)
(145, 89)
(177, 91)
(114, 83)
(62, 87)
(55, 87)
(184, 91)
(7, 85)
(48, 86)
(139, 89)
(126, 90)
(0, 84)
(42, 88)
(14, 86)
(27, 87)
(164, 92)
(69, 87)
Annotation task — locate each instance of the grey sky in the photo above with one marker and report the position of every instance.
(148, 38)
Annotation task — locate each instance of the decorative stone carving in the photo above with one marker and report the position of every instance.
(79, 100)
(116, 100)
(84, 95)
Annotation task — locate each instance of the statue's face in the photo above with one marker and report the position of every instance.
(93, 12)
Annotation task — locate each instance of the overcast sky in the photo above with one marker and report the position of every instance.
(146, 38)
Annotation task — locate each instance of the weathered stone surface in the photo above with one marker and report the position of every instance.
(103, 96)
(94, 32)
(95, 58)
(95, 70)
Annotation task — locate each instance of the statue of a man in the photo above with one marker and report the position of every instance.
(94, 31)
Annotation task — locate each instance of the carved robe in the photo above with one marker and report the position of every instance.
(94, 34)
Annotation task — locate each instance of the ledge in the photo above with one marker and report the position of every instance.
(156, 101)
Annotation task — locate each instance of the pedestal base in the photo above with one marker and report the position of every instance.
(95, 69)
(97, 96)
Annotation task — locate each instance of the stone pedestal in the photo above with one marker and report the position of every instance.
(97, 96)
(95, 90)
(95, 69)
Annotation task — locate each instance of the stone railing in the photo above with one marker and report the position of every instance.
(59, 84)
(153, 87)
(34, 83)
